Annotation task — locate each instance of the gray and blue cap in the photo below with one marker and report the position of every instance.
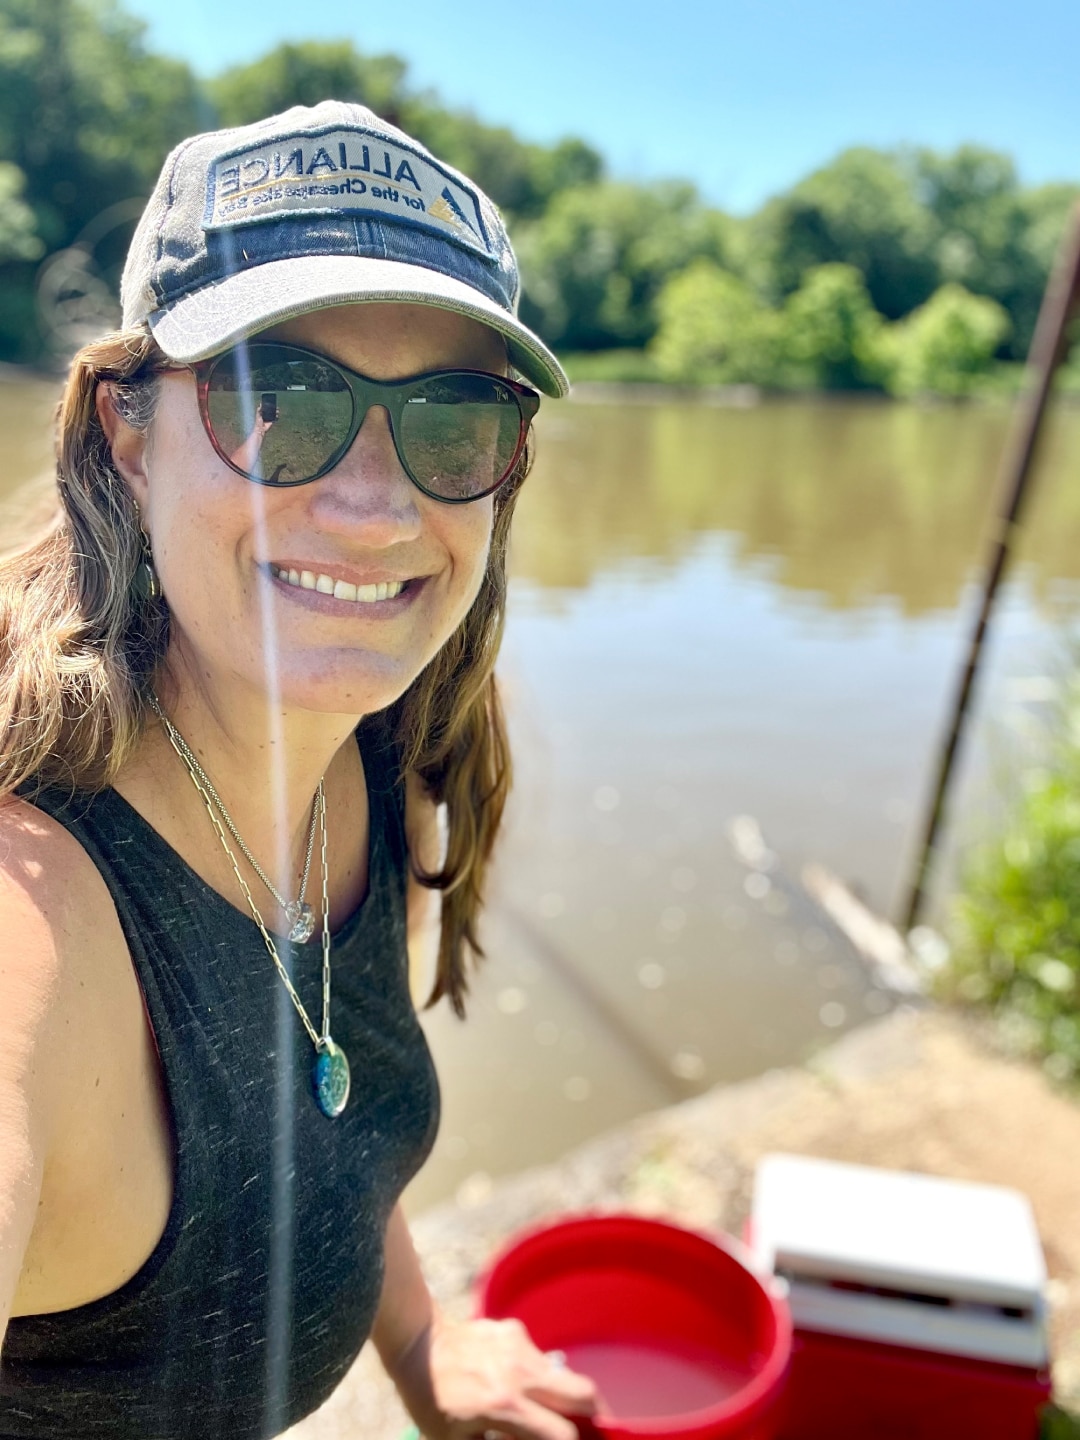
(329, 205)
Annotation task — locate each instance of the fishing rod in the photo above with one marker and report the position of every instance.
(1049, 345)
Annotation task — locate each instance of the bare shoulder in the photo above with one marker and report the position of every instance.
(47, 880)
(67, 986)
(55, 917)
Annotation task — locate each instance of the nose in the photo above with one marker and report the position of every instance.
(367, 494)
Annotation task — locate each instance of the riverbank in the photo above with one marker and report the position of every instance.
(921, 1090)
(745, 397)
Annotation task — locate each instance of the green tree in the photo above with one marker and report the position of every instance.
(19, 239)
(713, 328)
(595, 261)
(831, 330)
(520, 177)
(984, 231)
(860, 210)
(303, 73)
(946, 346)
(87, 114)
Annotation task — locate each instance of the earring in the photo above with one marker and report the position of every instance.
(146, 580)
(146, 584)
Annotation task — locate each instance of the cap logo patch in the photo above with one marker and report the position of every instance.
(341, 171)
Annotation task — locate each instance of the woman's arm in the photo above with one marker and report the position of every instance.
(31, 965)
(459, 1379)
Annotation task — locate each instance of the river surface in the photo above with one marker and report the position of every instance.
(718, 613)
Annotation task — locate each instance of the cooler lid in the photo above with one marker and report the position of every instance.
(905, 1233)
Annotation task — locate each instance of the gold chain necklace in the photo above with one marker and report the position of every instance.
(300, 916)
(330, 1075)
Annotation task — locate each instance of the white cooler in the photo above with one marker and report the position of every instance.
(918, 1303)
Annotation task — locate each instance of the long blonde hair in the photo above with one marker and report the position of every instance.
(81, 641)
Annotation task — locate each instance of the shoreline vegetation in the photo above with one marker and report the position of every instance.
(905, 271)
(633, 375)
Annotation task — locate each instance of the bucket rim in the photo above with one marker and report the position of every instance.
(759, 1392)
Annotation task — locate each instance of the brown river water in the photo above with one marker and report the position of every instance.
(717, 613)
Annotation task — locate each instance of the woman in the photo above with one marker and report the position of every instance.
(236, 679)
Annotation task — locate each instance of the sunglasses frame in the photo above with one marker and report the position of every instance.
(392, 395)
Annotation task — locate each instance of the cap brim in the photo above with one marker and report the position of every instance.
(211, 319)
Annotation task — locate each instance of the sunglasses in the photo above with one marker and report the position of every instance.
(281, 415)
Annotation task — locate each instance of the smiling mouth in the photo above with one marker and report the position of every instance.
(339, 589)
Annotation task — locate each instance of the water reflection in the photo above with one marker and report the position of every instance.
(845, 502)
(717, 613)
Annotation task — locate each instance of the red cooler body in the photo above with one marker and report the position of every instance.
(918, 1303)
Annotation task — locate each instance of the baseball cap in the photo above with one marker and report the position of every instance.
(321, 205)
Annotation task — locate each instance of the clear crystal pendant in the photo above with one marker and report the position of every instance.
(302, 919)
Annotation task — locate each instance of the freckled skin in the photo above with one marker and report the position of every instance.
(211, 529)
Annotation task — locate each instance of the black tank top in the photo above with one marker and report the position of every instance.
(264, 1286)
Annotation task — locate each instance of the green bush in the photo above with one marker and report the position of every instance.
(1057, 1424)
(864, 209)
(714, 330)
(945, 347)
(831, 330)
(594, 263)
(19, 239)
(1016, 924)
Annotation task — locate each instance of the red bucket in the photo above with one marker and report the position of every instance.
(683, 1340)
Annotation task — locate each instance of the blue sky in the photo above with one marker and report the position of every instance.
(744, 99)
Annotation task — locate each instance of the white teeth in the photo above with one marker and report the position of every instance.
(340, 589)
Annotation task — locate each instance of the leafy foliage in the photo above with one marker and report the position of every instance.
(595, 261)
(520, 177)
(861, 210)
(1016, 942)
(86, 115)
(941, 245)
(833, 331)
(86, 112)
(1058, 1424)
(945, 347)
(19, 239)
(714, 328)
(303, 74)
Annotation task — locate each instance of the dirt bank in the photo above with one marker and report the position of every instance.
(921, 1090)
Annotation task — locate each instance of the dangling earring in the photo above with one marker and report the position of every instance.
(146, 584)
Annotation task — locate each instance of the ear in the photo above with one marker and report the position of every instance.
(128, 446)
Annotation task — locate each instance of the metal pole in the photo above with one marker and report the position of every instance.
(1060, 303)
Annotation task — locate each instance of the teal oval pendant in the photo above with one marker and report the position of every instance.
(330, 1078)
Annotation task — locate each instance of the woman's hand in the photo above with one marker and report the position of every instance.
(486, 1378)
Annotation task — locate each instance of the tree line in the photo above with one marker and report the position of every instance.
(906, 270)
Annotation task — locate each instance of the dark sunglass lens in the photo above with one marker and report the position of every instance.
(460, 434)
(277, 414)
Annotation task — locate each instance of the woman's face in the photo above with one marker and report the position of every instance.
(221, 542)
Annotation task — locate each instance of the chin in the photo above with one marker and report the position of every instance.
(348, 688)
